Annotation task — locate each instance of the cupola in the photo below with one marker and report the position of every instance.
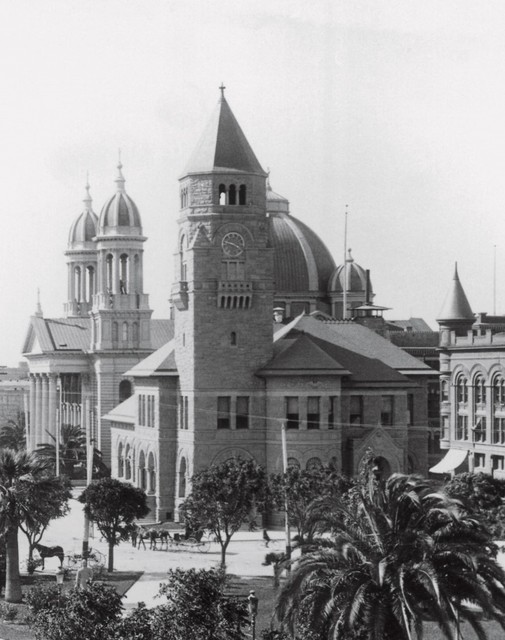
(120, 215)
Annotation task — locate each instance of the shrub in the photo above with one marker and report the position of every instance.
(8, 612)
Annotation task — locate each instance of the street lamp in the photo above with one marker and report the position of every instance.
(252, 605)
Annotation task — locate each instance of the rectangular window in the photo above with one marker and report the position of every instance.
(185, 412)
(181, 412)
(332, 414)
(313, 413)
(292, 413)
(140, 410)
(479, 433)
(410, 409)
(499, 431)
(480, 460)
(497, 463)
(223, 412)
(233, 270)
(387, 411)
(356, 411)
(462, 428)
(242, 412)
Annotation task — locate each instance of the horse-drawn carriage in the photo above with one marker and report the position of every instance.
(160, 537)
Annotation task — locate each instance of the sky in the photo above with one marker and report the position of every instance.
(394, 108)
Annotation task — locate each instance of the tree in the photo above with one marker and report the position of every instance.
(197, 607)
(13, 433)
(21, 473)
(302, 487)
(45, 502)
(92, 613)
(395, 554)
(223, 496)
(72, 451)
(114, 506)
(482, 495)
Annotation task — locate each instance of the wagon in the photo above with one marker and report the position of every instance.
(178, 540)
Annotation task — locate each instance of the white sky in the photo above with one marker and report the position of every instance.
(396, 108)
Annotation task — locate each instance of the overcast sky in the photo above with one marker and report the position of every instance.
(396, 108)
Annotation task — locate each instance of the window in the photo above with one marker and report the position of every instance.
(233, 270)
(461, 390)
(410, 409)
(499, 431)
(125, 332)
(232, 194)
(498, 392)
(233, 339)
(242, 194)
(242, 418)
(332, 413)
(497, 463)
(479, 460)
(313, 415)
(444, 390)
(186, 412)
(356, 411)
(462, 427)
(123, 273)
(223, 412)
(293, 463)
(480, 391)
(479, 431)
(125, 390)
(387, 410)
(292, 413)
(313, 463)
(222, 194)
(182, 478)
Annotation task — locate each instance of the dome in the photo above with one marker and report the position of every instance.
(120, 213)
(356, 278)
(84, 227)
(302, 262)
(276, 202)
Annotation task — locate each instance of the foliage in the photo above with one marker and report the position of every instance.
(21, 473)
(90, 613)
(8, 612)
(72, 452)
(114, 506)
(394, 554)
(197, 607)
(137, 625)
(302, 487)
(222, 498)
(277, 561)
(13, 432)
(482, 495)
(46, 501)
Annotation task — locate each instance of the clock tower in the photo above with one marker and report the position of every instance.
(222, 298)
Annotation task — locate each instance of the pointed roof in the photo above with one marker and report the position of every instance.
(223, 146)
(456, 305)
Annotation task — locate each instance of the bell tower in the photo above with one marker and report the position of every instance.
(222, 297)
(120, 313)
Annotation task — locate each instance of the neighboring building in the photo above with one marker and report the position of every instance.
(76, 363)
(472, 383)
(226, 381)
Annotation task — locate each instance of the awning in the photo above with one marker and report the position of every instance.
(452, 459)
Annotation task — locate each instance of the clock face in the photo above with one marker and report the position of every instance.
(233, 244)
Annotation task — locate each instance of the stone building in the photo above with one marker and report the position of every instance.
(472, 387)
(229, 377)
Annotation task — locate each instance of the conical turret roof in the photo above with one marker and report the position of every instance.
(223, 146)
(456, 305)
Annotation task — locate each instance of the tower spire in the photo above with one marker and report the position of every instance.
(120, 178)
(87, 198)
(222, 88)
(38, 311)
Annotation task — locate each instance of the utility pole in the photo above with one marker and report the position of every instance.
(89, 473)
(286, 502)
(344, 311)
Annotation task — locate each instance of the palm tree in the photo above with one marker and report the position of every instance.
(13, 433)
(393, 555)
(18, 471)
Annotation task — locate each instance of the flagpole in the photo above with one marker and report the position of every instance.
(344, 314)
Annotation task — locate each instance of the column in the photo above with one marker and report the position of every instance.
(38, 410)
(52, 400)
(45, 408)
(83, 283)
(30, 419)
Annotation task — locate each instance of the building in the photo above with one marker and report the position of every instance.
(229, 377)
(472, 387)
(76, 362)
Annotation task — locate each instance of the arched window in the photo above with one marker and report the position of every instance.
(242, 194)
(182, 478)
(151, 473)
(222, 194)
(182, 261)
(120, 461)
(233, 339)
(498, 392)
(123, 273)
(479, 390)
(90, 287)
(124, 335)
(135, 334)
(461, 390)
(313, 463)
(108, 272)
(128, 462)
(142, 471)
(77, 284)
(232, 194)
(125, 390)
(293, 462)
(115, 332)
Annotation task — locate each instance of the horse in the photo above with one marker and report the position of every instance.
(158, 534)
(50, 552)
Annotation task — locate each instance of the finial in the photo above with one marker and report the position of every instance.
(268, 179)
(456, 276)
(87, 198)
(222, 88)
(350, 258)
(38, 311)
(120, 178)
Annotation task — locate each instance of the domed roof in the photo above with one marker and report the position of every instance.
(276, 202)
(120, 214)
(356, 278)
(301, 260)
(84, 227)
